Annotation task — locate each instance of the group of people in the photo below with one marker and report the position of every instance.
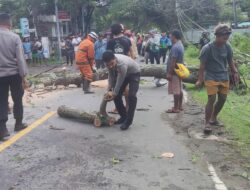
(155, 46)
(152, 46)
(124, 72)
(33, 50)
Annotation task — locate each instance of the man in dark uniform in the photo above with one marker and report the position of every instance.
(123, 72)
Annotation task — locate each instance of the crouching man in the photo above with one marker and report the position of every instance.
(123, 71)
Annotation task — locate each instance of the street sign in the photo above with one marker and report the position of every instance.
(24, 26)
(63, 16)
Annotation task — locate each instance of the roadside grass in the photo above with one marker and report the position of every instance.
(235, 115)
(191, 56)
(236, 112)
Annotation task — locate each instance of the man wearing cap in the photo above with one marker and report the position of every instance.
(13, 70)
(215, 58)
(85, 60)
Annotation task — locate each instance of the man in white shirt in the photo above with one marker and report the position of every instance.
(76, 42)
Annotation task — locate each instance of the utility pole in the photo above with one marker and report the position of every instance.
(83, 20)
(235, 13)
(58, 31)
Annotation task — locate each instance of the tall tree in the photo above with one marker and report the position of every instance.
(81, 12)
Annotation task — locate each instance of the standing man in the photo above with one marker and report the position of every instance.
(154, 49)
(13, 70)
(100, 48)
(169, 45)
(175, 82)
(204, 40)
(163, 46)
(76, 42)
(85, 60)
(38, 50)
(27, 50)
(139, 42)
(215, 58)
(69, 51)
(120, 44)
(146, 49)
(123, 71)
(130, 36)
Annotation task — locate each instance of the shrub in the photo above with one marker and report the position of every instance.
(192, 51)
(241, 43)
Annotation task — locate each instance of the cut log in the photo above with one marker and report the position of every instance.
(70, 113)
(68, 78)
(102, 118)
(98, 120)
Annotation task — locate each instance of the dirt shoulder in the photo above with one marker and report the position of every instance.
(217, 149)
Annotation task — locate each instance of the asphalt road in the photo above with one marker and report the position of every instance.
(79, 156)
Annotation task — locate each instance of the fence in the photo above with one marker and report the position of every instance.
(193, 36)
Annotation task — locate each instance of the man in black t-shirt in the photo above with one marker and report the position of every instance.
(119, 44)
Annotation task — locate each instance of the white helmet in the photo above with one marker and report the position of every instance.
(93, 35)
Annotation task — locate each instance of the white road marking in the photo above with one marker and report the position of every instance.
(185, 95)
(219, 185)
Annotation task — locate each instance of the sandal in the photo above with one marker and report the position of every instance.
(216, 123)
(173, 111)
(207, 130)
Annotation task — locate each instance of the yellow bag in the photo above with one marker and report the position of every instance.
(182, 71)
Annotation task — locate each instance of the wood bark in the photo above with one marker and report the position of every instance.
(98, 120)
(67, 78)
(71, 113)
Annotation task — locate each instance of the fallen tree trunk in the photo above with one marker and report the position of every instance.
(67, 78)
(70, 113)
(98, 120)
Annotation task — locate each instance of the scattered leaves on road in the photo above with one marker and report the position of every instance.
(142, 109)
(56, 128)
(164, 155)
(167, 155)
(195, 158)
(116, 160)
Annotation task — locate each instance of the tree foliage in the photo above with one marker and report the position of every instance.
(136, 14)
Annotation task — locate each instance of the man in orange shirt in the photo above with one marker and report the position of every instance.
(85, 60)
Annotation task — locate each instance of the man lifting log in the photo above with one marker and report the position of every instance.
(123, 71)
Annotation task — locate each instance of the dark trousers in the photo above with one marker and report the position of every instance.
(99, 64)
(139, 48)
(133, 81)
(14, 84)
(70, 57)
(154, 56)
(163, 53)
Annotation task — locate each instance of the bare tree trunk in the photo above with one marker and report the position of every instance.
(98, 120)
(70, 113)
(146, 71)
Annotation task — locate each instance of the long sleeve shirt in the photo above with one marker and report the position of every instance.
(86, 52)
(100, 48)
(125, 67)
(12, 61)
